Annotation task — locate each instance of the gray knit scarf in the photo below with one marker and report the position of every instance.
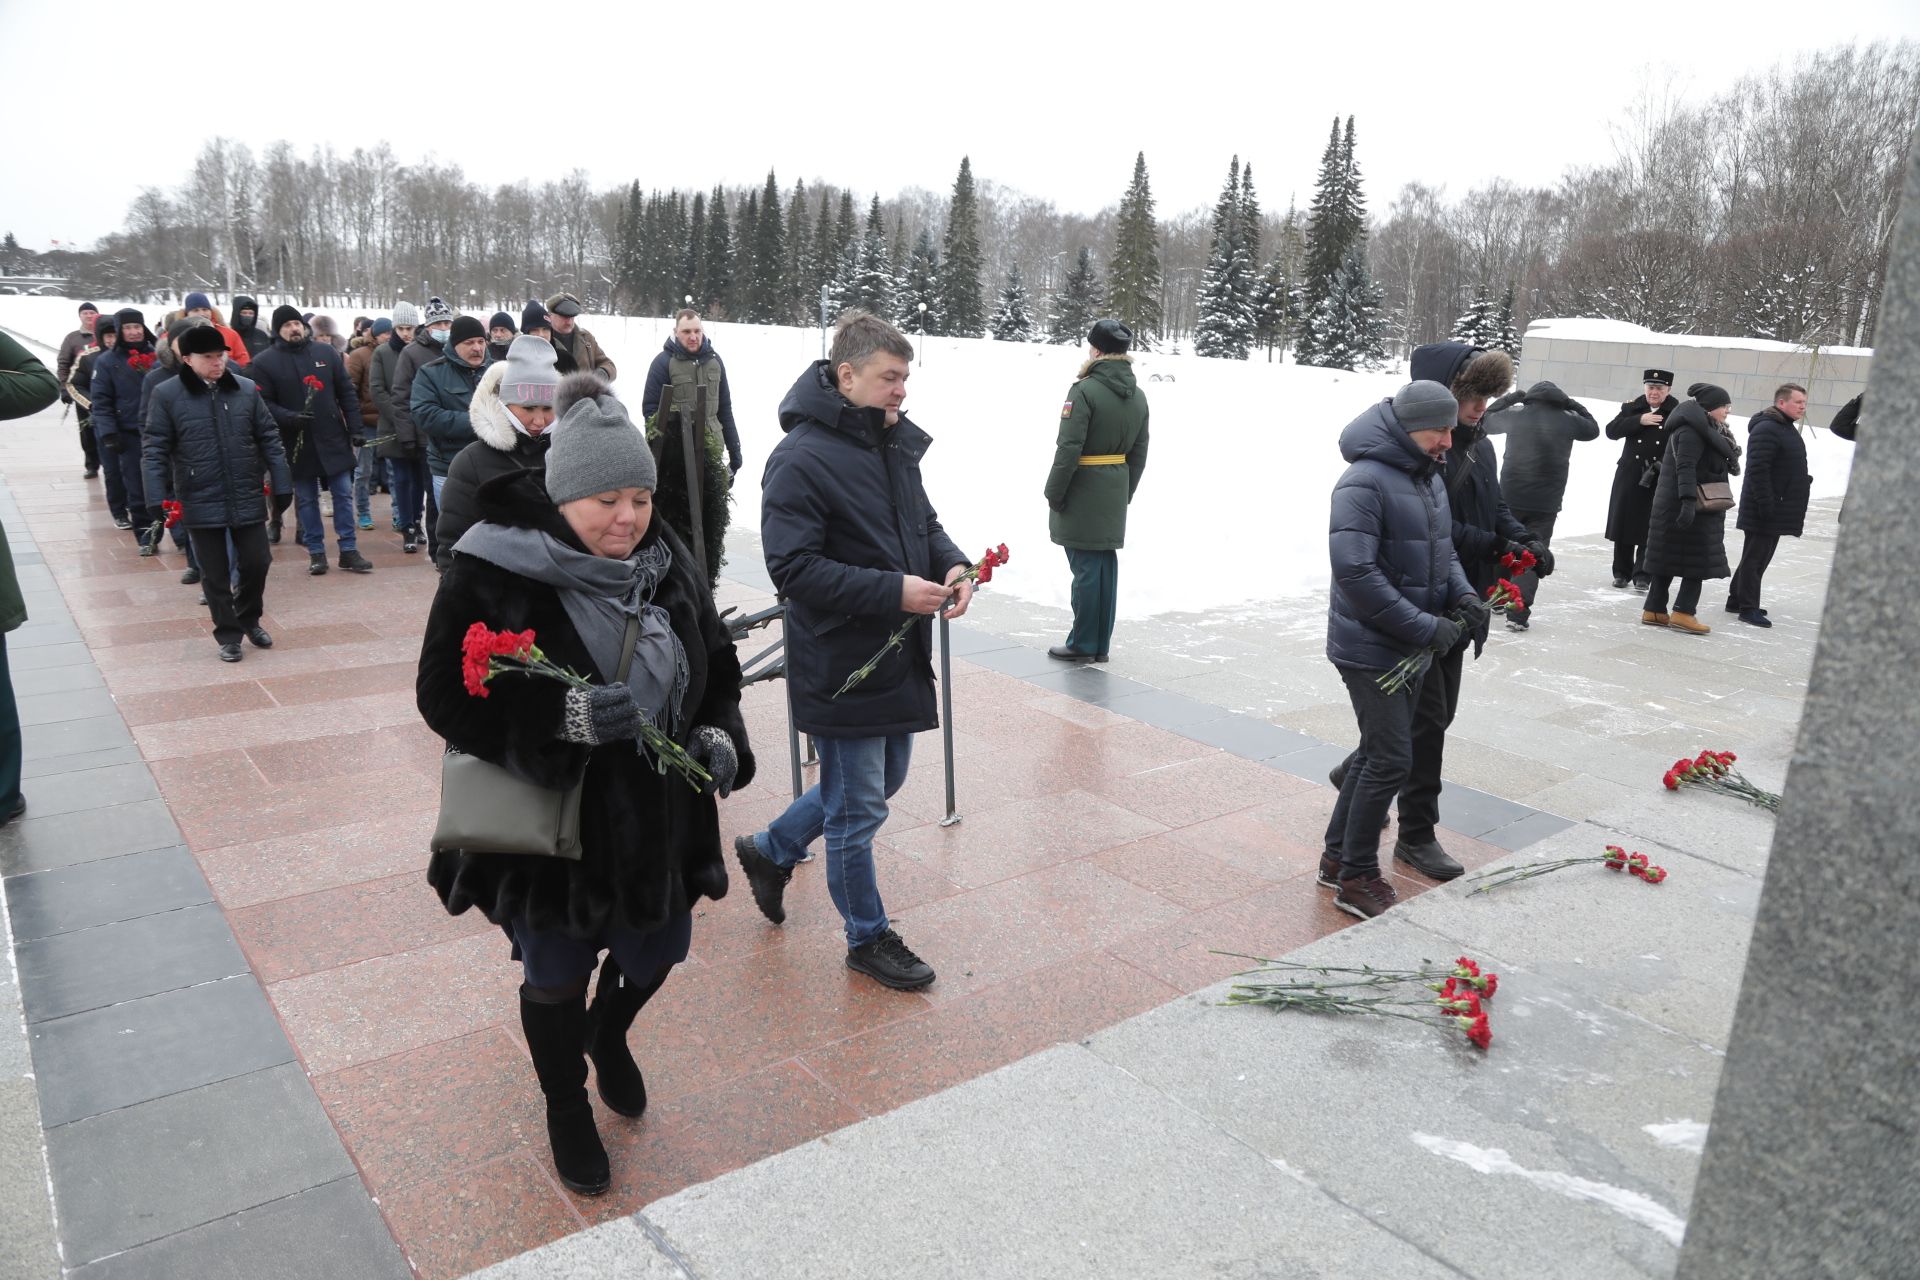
(599, 595)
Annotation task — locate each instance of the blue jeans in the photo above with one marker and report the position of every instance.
(409, 480)
(306, 500)
(848, 805)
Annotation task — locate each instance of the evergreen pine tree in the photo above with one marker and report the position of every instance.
(846, 231)
(1349, 328)
(627, 263)
(717, 300)
(1079, 302)
(873, 287)
(1133, 269)
(1249, 218)
(768, 290)
(1272, 305)
(799, 259)
(825, 255)
(746, 233)
(697, 250)
(960, 281)
(1337, 219)
(1226, 289)
(922, 284)
(1013, 317)
(1476, 326)
(1507, 337)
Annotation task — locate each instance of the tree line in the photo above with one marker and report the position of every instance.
(1764, 211)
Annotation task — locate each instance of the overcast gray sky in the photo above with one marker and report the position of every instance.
(1050, 99)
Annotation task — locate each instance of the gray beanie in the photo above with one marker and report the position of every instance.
(438, 310)
(405, 313)
(530, 376)
(596, 447)
(1425, 406)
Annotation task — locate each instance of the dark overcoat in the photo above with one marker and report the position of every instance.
(1698, 452)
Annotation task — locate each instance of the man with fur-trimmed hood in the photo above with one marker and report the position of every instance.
(1098, 460)
(1483, 531)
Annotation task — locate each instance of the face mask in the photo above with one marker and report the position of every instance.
(438, 333)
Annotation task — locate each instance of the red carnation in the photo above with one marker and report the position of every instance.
(312, 383)
(1480, 1033)
(1654, 875)
(1493, 985)
(1468, 965)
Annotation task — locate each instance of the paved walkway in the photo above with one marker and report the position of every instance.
(243, 846)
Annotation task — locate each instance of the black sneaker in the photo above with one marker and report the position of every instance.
(273, 532)
(354, 562)
(1622, 582)
(1641, 582)
(260, 638)
(890, 962)
(1755, 618)
(230, 653)
(1365, 896)
(316, 563)
(90, 473)
(190, 577)
(123, 522)
(1328, 877)
(1428, 858)
(767, 878)
(411, 541)
(1516, 624)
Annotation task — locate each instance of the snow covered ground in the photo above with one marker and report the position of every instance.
(1233, 509)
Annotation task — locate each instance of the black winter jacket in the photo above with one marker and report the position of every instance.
(497, 450)
(413, 357)
(251, 334)
(438, 402)
(115, 394)
(1774, 494)
(209, 446)
(1698, 453)
(650, 844)
(1391, 546)
(660, 373)
(1541, 425)
(844, 518)
(280, 373)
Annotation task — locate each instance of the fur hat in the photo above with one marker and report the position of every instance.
(326, 326)
(198, 339)
(405, 313)
(107, 324)
(129, 315)
(465, 327)
(284, 312)
(530, 376)
(1110, 338)
(438, 310)
(1425, 406)
(596, 447)
(1488, 374)
(1709, 396)
(197, 301)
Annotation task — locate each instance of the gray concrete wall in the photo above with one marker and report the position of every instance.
(1611, 370)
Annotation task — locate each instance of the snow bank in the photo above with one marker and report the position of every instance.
(1234, 504)
(1595, 329)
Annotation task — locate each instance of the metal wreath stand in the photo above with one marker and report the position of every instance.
(771, 662)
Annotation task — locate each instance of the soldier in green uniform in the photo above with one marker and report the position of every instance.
(1097, 464)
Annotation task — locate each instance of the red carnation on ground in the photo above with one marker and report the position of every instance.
(1654, 875)
(1479, 1032)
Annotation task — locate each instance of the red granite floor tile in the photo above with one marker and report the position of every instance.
(1190, 791)
(133, 633)
(244, 729)
(293, 936)
(1015, 839)
(348, 755)
(210, 782)
(454, 1104)
(1004, 930)
(191, 703)
(890, 1066)
(703, 1135)
(1274, 840)
(472, 1218)
(380, 1007)
(345, 682)
(303, 862)
(309, 805)
(1271, 922)
(1182, 874)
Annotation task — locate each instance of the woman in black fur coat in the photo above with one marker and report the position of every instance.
(572, 559)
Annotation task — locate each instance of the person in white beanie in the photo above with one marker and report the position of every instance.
(511, 410)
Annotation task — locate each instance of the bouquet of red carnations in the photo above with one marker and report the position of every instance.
(1714, 771)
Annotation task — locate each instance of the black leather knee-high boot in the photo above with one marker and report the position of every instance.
(555, 1031)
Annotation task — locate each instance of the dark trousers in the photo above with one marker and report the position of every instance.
(412, 485)
(1755, 556)
(10, 749)
(1629, 558)
(1687, 602)
(89, 444)
(1439, 699)
(1376, 771)
(1096, 599)
(235, 607)
(1540, 529)
(133, 485)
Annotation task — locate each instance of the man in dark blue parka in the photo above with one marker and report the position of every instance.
(855, 546)
(117, 377)
(1396, 579)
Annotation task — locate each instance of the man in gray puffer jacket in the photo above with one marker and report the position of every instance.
(1541, 424)
(1396, 579)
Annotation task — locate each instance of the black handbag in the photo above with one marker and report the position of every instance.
(487, 809)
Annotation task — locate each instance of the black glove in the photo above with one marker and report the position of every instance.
(713, 750)
(1543, 558)
(1446, 634)
(110, 442)
(603, 713)
(1685, 519)
(66, 397)
(358, 442)
(281, 501)
(1475, 610)
(300, 422)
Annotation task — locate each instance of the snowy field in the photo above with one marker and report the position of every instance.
(1233, 508)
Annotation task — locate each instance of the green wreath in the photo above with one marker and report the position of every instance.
(670, 496)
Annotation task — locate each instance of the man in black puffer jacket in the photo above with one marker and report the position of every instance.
(115, 393)
(210, 437)
(853, 543)
(1773, 497)
(1483, 531)
(246, 323)
(1396, 579)
(1541, 425)
(320, 423)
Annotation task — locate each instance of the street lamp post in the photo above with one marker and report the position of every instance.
(922, 361)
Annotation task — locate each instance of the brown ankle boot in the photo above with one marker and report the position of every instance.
(1688, 623)
(1651, 619)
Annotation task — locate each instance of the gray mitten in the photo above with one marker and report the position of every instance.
(603, 713)
(713, 749)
